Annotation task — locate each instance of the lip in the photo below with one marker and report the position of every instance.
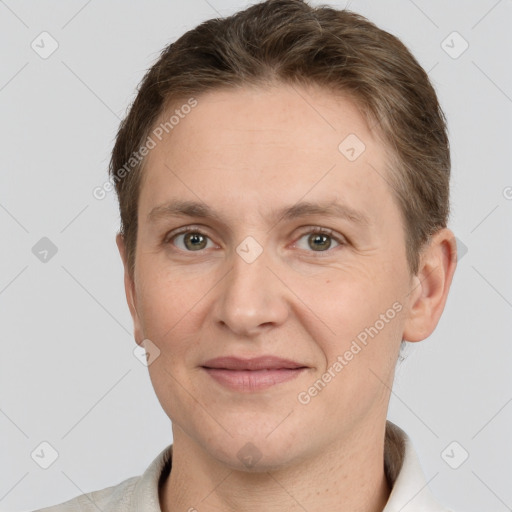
(248, 375)
(255, 363)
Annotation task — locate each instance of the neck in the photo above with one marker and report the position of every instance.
(348, 477)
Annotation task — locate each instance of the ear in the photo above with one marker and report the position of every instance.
(129, 288)
(430, 285)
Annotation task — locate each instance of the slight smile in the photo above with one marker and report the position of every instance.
(248, 375)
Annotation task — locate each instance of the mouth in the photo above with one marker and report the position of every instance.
(248, 375)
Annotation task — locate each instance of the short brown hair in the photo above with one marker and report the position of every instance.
(290, 42)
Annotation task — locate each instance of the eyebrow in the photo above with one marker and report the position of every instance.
(181, 208)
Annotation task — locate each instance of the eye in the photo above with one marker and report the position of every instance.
(190, 240)
(320, 240)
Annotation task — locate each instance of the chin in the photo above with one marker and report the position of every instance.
(250, 457)
(255, 450)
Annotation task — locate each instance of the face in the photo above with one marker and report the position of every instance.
(271, 274)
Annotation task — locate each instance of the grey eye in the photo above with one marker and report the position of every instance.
(191, 241)
(318, 242)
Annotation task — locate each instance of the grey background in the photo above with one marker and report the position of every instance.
(68, 375)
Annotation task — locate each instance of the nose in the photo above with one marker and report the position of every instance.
(251, 298)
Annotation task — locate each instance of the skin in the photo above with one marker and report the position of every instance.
(246, 153)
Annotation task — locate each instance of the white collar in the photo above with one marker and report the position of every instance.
(409, 490)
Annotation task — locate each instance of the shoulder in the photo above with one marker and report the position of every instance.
(112, 499)
(134, 494)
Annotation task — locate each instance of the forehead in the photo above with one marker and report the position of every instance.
(307, 120)
(266, 144)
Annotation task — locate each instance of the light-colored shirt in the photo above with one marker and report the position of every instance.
(409, 490)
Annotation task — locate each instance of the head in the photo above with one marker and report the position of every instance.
(247, 131)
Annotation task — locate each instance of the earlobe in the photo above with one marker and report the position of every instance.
(430, 286)
(129, 288)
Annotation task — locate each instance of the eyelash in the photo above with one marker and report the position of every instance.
(311, 230)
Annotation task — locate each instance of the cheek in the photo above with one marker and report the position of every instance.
(349, 301)
(368, 322)
(165, 301)
(168, 307)
(362, 317)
